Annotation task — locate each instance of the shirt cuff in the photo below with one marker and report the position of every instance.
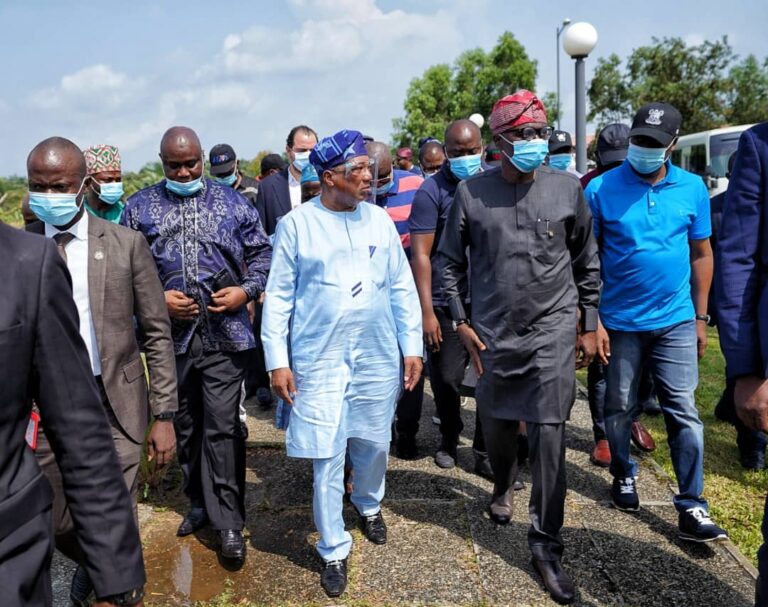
(251, 289)
(589, 320)
(411, 345)
(276, 357)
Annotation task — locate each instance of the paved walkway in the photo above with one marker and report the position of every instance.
(443, 549)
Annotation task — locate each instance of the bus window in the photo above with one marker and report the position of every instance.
(720, 149)
(697, 162)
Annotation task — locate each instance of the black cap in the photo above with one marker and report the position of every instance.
(612, 143)
(560, 140)
(272, 161)
(657, 120)
(222, 158)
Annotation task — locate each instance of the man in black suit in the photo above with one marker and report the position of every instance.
(43, 356)
(281, 192)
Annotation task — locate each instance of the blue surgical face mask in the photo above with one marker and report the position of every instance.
(300, 160)
(528, 155)
(228, 180)
(110, 192)
(55, 209)
(646, 160)
(465, 166)
(560, 161)
(383, 190)
(184, 188)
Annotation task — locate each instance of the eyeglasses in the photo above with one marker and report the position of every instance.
(528, 133)
(355, 168)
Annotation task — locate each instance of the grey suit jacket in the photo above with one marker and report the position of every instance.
(123, 284)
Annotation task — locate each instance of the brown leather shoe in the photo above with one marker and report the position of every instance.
(500, 509)
(601, 454)
(641, 438)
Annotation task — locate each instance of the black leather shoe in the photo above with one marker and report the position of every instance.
(557, 582)
(195, 519)
(333, 578)
(500, 508)
(81, 590)
(406, 448)
(232, 544)
(374, 528)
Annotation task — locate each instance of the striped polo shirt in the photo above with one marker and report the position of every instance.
(398, 204)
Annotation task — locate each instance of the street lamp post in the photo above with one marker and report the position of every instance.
(579, 40)
(559, 30)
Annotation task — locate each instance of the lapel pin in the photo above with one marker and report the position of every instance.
(98, 255)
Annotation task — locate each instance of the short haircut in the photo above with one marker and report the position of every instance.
(304, 129)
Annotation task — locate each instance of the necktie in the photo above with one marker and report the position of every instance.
(62, 239)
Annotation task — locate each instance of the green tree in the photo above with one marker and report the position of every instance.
(692, 78)
(472, 85)
(252, 168)
(549, 100)
(748, 95)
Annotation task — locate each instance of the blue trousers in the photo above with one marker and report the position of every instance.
(369, 462)
(670, 353)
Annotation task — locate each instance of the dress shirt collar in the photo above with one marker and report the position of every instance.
(78, 230)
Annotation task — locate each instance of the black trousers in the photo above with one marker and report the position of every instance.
(409, 410)
(446, 372)
(546, 459)
(256, 375)
(25, 563)
(209, 436)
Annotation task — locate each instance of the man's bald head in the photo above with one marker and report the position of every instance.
(463, 137)
(57, 155)
(380, 153)
(431, 157)
(180, 139)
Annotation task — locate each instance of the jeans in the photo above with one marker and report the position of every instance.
(446, 372)
(670, 353)
(646, 395)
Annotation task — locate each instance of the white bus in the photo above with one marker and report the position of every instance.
(707, 154)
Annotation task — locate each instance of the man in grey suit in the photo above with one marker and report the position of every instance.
(114, 280)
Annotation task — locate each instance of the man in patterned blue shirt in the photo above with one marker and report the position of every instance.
(213, 257)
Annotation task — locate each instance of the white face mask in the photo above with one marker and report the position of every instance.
(300, 160)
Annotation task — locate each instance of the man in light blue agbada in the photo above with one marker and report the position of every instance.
(341, 314)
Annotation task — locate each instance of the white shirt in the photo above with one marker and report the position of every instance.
(77, 262)
(294, 189)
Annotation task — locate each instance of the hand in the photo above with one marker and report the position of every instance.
(180, 306)
(432, 333)
(701, 338)
(603, 344)
(229, 299)
(251, 307)
(161, 442)
(414, 365)
(751, 400)
(262, 297)
(586, 348)
(473, 345)
(284, 385)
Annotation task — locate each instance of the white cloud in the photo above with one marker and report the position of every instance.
(694, 39)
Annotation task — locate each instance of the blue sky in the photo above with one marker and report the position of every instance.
(244, 72)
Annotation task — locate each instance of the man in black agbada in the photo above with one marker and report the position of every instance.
(535, 273)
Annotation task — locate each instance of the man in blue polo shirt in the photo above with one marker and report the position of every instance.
(447, 358)
(652, 225)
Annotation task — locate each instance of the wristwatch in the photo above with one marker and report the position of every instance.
(457, 323)
(165, 416)
(125, 599)
(705, 317)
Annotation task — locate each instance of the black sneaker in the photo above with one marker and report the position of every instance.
(374, 528)
(333, 578)
(696, 526)
(624, 494)
(81, 591)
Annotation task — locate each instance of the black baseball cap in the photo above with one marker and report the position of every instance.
(560, 140)
(658, 120)
(612, 143)
(272, 161)
(222, 158)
